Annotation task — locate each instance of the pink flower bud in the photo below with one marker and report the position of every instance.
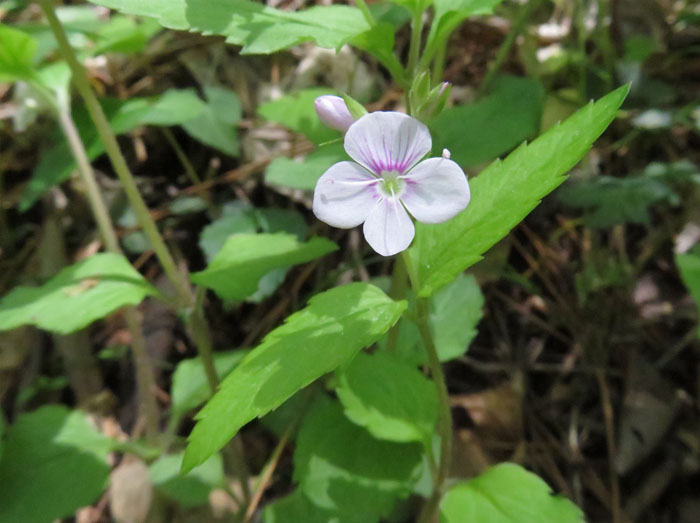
(333, 112)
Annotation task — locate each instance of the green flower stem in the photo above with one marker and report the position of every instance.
(439, 62)
(202, 338)
(506, 46)
(148, 406)
(430, 512)
(126, 179)
(414, 46)
(366, 12)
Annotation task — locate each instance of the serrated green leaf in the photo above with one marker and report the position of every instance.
(296, 111)
(173, 107)
(17, 52)
(390, 398)
(689, 266)
(191, 489)
(327, 333)
(258, 28)
(190, 386)
(304, 174)
(506, 493)
(340, 467)
(482, 131)
(245, 258)
(78, 295)
(216, 126)
(54, 463)
(504, 193)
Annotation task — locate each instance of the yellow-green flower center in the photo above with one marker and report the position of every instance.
(391, 184)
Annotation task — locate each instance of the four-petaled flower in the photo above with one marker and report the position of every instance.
(388, 180)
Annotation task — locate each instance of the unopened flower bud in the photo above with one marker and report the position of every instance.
(446, 154)
(333, 112)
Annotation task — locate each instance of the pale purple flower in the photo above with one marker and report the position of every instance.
(333, 112)
(388, 180)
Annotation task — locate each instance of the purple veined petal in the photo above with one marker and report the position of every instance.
(436, 190)
(388, 228)
(333, 112)
(387, 141)
(344, 195)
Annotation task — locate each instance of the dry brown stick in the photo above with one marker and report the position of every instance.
(615, 506)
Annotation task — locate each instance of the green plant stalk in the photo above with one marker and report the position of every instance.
(507, 45)
(366, 12)
(185, 296)
(144, 369)
(116, 157)
(414, 46)
(430, 510)
(439, 62)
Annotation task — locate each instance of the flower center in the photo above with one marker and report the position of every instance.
(391, 185)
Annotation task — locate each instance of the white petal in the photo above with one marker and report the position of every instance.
(387, 141)
(388, 228)
(344, 195)
(436, 190)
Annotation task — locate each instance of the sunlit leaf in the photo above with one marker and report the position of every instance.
(245, 258)
(504, 494)
(78, 295)
(327, 333)
(390, 398)
(303, 174)
(341, 468)
(258, 28)
(216, 125)
(191, 489)
(17, 51)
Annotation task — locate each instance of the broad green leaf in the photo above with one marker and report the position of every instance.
(216, 126)
(504, 193)
(327, 333)
(455, 311)
(78, 295)
(191, 489)
(390, 398)
(173, 107)
(304, 174)
(340, 467)
(54, 463)
(379, 42)
(245, 258)
(296, 111)
(17, 52)
(449, 14)
(482, 131)
(504, 494)
(689, 266)
(123, 34)
(258, 28)
(190, 386)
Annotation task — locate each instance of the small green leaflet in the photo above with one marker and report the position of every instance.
(505, 192)
(341, 468)
(390, 398)
(54, 463)
(296, 111)
(216, 125)
(245, 258)
(285, 172)
(78, 295)
(326, 334)
(17, 51)
(689, 265)
(504, 494)
(256, 27)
